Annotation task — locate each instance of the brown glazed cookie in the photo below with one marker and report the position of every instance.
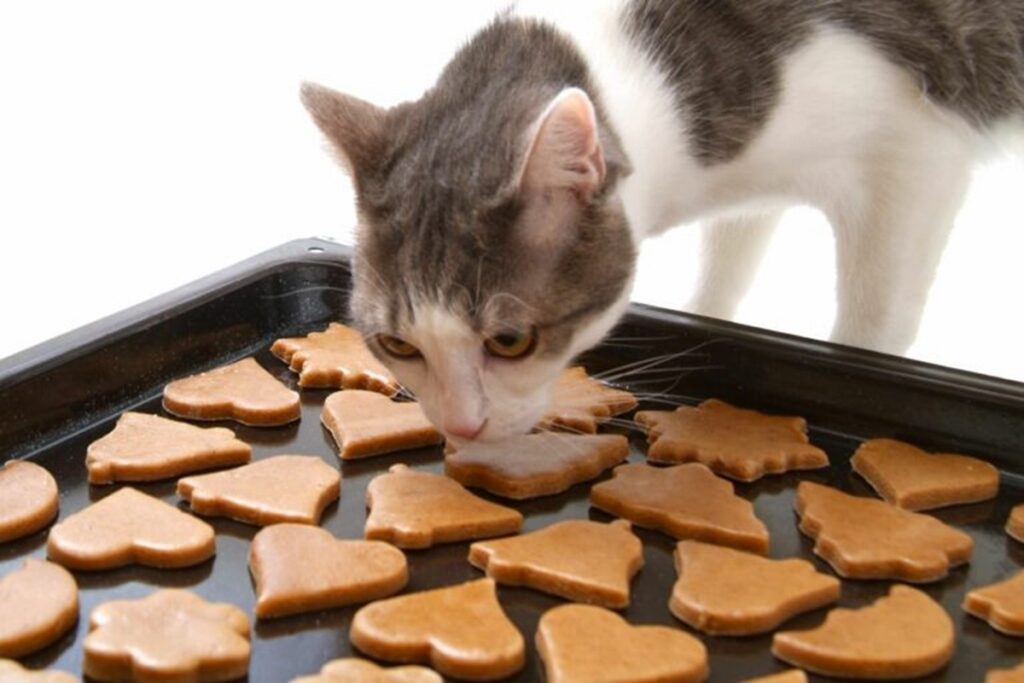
(790, 676)
(579, 402)
(913, 479)
(170, 635)
(364, 423)
(28, 499)
(129, 527)
(733, 442)
(903, 635)
(149, 447)
(1015, 524)
(283, 488)
(459, 630)
(354, 670)
(583, 643)
(242, 391)
(727, 592)
(337, 357)
(865, 538)
(535, 464)
(12, 672)
(685, 502)
(412, 509)
(38, 604)
(576, 559)
(1014, 675)
(1000, 604)
(341, 572)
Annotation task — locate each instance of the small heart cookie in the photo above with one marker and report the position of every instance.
(170, 635)
(579, 402)
(337, 357)
(344, 572)
(460, 630)
(1015, 523)
(353, 670)
(903, 635)
(12, 672)
(364, 423)
(283, 488)
(1000, 604)
(28, 499)
(149, 447)
(38, 604)
(242, 391)
(583, 643)
(130, 527)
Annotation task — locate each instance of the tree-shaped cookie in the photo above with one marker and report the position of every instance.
(583, 643)
(734, 442)
(575, 559)
(1015, 523)
(365, 423)
(684, 501)
(289, 581)
(460, 630)
(535, 464)
(903, 635)
(337, 357)
(242, 391)
(722, 591)
(283, 488)
(865, 538)
(1000, 604)
(914, 479)
(170, 635)
(417, 510)
(38, 604)
(579, 402)
(28, 499)
(12, 672)
(353, 670)
(130, 527)
(1014, 675)
(149, 447)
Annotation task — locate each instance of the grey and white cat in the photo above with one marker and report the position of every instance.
(499, 215)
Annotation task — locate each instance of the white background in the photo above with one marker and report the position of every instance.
(144, 145)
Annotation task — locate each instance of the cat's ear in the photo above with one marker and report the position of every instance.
(353, 126)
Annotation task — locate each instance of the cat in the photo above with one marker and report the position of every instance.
(500, 214)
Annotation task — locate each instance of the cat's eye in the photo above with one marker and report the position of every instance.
(511, 343)
(399, 348)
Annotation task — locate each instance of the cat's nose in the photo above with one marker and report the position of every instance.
(464, 429)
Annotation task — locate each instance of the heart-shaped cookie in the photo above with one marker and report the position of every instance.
(1001, 604)
(1015, 523)
(38, 604)
(353, 670)
(345, 572)
(364, 423)
(28, 499)
(579, 402)
(583, 643)
(903, 635)
(242, 391)
(283, 488)
(12, 672)
(337, 357)
(914, 479)
(130, 527)
(460, 630)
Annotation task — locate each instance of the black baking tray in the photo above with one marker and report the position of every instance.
(58, 397)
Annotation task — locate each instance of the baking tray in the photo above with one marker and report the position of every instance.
(58, 397)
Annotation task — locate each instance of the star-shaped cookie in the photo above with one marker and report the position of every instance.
(579, 402)
(337, 357)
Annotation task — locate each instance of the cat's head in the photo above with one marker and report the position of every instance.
(492, 246)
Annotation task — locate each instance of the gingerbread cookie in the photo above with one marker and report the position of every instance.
(684, 501)
(12, 672)
(535, 464)
(727, 592)
(130, 527)
(790, 676)
(38, 604)
(460, 630)
(412, 509)
(1015, 524)
(365, 423)
(148, 447)
(576, 559)
(1000, 604)
(583, 643)
(734, 442)
(242, 391)
(1014, 675)
(352, 670)
(170, 635)
(865, 538)
(344, 573)
(903, 635)
(28, 499)
(913, 479)
(337, 357)
(579, 402)
(283, 488)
